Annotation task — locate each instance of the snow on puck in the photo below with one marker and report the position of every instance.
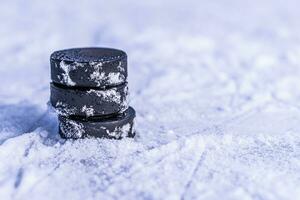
(87, 102)
(89, 67)
(116, 127)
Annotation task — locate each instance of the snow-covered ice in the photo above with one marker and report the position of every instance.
(216, 87)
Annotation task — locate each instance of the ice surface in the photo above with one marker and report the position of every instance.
(215, 85)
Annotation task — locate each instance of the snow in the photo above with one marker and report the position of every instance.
(215, 85)
(72, 129)
(119, 132)
(110, 78)
(89, 111)
(66, 75)
(112, 95)
(65, 110)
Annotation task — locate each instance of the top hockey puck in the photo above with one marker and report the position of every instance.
(89, 67)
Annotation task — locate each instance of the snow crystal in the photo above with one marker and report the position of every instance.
(125, 102)
(119, 132)
(99, 76)
(115, 78)
(66, 76)
(64, 109)
(110, 95)
(89, 111)
(119, 67)
(72, 129)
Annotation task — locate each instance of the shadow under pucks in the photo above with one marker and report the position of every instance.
(24, 117)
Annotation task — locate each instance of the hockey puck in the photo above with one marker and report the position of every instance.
(87, 102)
(89, 67)
(113, 128)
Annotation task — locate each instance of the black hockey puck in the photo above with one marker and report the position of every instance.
(87, 102)
(89, 67)
(114, 128)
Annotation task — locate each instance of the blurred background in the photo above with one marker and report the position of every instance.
(31, 30)
(215, 85)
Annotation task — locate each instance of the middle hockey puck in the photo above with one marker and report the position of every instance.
(86, 102)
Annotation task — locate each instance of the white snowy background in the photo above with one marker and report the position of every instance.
(215, 84)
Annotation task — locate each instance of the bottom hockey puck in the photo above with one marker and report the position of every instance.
(116, 127)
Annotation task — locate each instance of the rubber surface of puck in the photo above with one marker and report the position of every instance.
(89, 67)
(88, 102)
(113, 128)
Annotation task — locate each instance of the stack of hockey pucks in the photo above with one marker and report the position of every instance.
(90, 94)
